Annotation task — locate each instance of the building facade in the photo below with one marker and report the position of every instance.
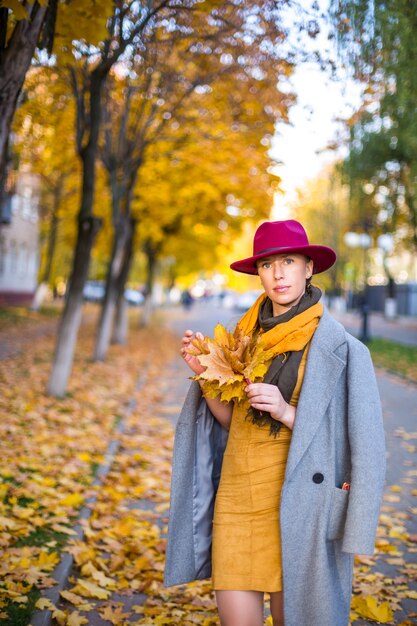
(19, 241)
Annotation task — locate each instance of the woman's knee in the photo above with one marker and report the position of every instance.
(240, 608)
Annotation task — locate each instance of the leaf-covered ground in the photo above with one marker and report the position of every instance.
(50, 451)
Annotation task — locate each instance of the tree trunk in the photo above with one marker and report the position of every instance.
(53, 232)
(42, 288)
(151, 259)
(109, 305)
(14, 63)
(71, 318)
(88, 227)
(121, 321)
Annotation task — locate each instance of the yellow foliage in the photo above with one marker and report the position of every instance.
(75, 619)
(19, 11)
(368, 608)
(232, 360)
(73, 499)
(90, 589)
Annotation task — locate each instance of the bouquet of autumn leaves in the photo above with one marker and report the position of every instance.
(232, 361)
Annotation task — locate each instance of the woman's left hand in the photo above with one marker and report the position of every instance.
(268, 398)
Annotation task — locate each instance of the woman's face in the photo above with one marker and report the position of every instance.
(283, 276)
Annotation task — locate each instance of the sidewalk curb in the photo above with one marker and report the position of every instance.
(63, 569)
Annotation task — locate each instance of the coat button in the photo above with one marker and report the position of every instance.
(318, 478)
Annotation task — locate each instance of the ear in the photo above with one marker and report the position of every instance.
(309, 268)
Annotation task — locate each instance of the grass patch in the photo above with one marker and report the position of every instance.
(41, 537)
(21, 315)
(15, 314)
(51, 310)
(395, 357)
(117, 420)
(19, 614)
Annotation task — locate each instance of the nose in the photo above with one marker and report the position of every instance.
(278, 273)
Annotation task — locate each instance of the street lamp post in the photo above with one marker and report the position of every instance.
(362, 240)
(386, 245)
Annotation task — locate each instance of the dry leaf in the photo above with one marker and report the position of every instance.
(368, 608)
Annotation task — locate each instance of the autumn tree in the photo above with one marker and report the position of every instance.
(379, 40)
(217, 180)
(45, 115)
(23, 27)
(165, 82)
(126, 26)
(322, 201)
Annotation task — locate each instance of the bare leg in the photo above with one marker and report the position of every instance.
(240, 608)
(277, 608)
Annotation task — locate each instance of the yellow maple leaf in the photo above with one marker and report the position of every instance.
(75, 619)
(231, 361)
(114, 615)
(44, 603)
(76, 600)
(73, 499)
(368, 607)
(21, 599)
(104, 581)
(90, 590)
(47, 560)
(5, 522)
(23, 512)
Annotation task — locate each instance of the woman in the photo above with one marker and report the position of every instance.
(295, 493)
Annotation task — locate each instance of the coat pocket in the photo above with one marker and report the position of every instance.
(337, 516)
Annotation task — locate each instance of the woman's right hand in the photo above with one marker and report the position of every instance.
(192, 361)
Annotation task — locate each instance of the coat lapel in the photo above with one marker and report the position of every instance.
(322, 372)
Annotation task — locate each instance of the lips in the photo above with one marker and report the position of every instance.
(282, 289)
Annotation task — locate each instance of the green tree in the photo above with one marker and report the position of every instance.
(379, 40)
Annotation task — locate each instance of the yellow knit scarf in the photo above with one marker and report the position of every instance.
(288, 336)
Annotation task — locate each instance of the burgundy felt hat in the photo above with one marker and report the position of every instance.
(285, 237)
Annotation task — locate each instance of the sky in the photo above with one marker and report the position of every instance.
(301, 144)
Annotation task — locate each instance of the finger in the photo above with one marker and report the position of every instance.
(262, 406)
(199, 335)
(188, 333)
(258, 387)
(262, 394)
(261, 400)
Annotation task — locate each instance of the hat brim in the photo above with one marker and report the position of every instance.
(322, 257)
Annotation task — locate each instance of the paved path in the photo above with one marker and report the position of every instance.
(403, 329)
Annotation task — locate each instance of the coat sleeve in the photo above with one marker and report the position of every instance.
(198, 452)
(367, 446)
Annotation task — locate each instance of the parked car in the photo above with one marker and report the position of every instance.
(94, 291)
(134, 297)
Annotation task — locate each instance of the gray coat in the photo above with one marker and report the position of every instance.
(338, 436)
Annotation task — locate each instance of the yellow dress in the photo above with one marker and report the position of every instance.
(246, 551)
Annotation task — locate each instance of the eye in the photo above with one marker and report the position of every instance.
(288, 260)
(266, 264)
